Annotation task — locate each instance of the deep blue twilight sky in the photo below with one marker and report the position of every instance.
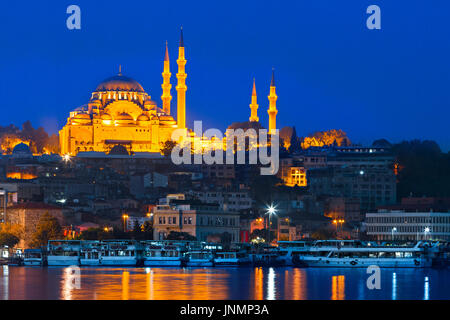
(331, 71)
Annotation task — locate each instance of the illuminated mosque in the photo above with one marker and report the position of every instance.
(122, 117)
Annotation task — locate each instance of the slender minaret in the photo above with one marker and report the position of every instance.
(272, 105)
(181, 86)
(166, 86)
(254, 105)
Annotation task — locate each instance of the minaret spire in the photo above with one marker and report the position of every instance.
(120, 69)
(272, 104)
(181, 86)
(254, 105)
(166, 86)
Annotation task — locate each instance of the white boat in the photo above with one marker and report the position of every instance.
(364, 256)
(90, 253)
(120, 253)
(33, 257)
(200, 258)
(231, 258)
(162, 255)
(289, 249)
(63, 253)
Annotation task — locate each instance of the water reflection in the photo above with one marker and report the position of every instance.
(394, 286)
(271, 291)
(338, 287)
(258, 279)
(217, 283)
(5, 281)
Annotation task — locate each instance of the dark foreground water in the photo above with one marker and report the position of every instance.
(220, 283)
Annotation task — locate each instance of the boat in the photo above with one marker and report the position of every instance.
(155, 254)
(63, 253)
(231, 258)
(90, 253)
(120, 253)
(199, 258)
(358, 255)
(33, 257)
(267, 256)
(289, 249)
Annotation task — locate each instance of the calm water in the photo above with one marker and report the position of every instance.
(221, 283)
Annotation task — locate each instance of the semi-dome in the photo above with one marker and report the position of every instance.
(83, 116)
(124, 116)
(120, 83)
(21, 148)
(106, 116)
(143, 117)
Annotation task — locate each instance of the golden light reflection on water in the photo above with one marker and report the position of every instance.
(258, 280)
(338, 288)
(155, 284)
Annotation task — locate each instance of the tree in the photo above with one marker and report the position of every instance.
(322, 234)
(167, 146)
(259, 233)
(8, 239)
(48, 228)
(174, 235)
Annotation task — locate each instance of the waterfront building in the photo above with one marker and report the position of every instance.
(401, 225)
(199, 220)
(340, 208)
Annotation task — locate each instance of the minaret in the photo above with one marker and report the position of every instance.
(254, 105)
(166, 86)
(272, 105)
(181, 86)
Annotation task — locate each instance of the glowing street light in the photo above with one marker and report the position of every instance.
(271, 210)
(426, 231)
(66, 158)
(394, 229)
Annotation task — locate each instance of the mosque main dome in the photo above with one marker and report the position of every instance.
(120, 83)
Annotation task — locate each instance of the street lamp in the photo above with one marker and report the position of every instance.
(394, 229)
(271, 210)
(427, 230)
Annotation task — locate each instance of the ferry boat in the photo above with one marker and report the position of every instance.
(232, 258)
(356, 254)
(63, 253)
(289, 249)
(199, 258)
(155, 254)
(90, 253)
(120, 253)
(267, 257)
(33, 257)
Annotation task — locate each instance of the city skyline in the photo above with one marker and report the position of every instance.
(321, 84)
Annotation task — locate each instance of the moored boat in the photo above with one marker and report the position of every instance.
(199, 258)
(90, 253)
(33, 257)
(63, 253)
(120, 253)
(155, 254)
(231, 258)
(363, 256)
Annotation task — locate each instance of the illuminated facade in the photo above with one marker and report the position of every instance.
(121, 117)
(272, 105)
(254, 105)
(121, 113)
